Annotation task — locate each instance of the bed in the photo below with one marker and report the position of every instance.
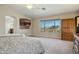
(20, 45)
(34, 45)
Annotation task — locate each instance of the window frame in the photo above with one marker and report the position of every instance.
(54, 20)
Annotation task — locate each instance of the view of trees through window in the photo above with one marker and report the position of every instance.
(50, 25)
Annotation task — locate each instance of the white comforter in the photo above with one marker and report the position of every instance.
(55, 46)
(20, 45)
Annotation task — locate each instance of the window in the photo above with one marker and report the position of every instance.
(50, 25)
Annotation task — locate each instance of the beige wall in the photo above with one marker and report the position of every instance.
(4, 11)
(36, 25)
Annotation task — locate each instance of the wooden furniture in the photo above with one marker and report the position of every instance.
(67, 29)
(25, 23)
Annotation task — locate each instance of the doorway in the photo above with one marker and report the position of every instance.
(9, 25)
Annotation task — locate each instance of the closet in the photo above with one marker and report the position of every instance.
(67, 29)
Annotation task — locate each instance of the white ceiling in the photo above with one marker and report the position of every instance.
(51, 9)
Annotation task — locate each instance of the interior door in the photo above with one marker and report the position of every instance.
(67, 29)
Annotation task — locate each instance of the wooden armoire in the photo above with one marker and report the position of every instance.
(67, 29)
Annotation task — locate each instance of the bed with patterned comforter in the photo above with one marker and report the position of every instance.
(14, 44)
(20, 45)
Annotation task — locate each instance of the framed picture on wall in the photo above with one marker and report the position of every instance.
(25, 23)
(77, 24)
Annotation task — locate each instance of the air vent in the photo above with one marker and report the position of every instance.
(43, 8)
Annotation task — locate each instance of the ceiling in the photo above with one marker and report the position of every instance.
(40, 10)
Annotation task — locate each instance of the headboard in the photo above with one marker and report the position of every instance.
(76, 44)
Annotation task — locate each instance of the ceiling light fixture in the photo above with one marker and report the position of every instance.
(30, 6)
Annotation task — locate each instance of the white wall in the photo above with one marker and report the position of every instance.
(5, 11)
(36, 25)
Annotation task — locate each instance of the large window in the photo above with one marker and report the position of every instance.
(50, 25)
